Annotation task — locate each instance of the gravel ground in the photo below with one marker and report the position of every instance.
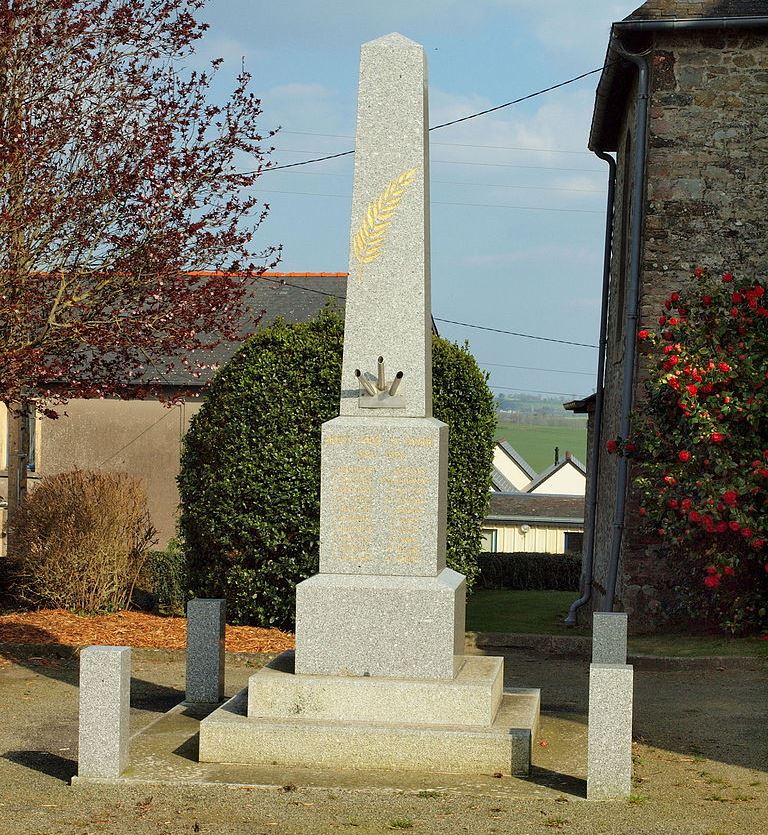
(701, 756)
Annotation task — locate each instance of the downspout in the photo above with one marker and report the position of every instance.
(632, 296)
(588, 551)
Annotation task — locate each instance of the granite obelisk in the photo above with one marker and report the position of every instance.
(384, 604)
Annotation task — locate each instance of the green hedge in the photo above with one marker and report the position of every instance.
(250, 468)
(529, 571)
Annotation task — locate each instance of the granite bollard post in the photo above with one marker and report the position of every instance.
(609, 638)
(105, 699)
(609, 745)
(206, 624)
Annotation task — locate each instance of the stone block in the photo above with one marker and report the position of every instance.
(206, 624)
(388, 292)
(472, 698)
(609, 735)
(105, 700)
(228, 735)
(390, 627)
(609, 638)
(383, 496)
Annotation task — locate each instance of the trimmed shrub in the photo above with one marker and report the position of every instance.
(529, 571)
(81, 541)
(250, 470)
(165, 576)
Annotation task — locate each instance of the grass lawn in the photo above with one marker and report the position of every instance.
(537, 443)
(542, 613)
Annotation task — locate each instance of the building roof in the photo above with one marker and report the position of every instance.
(683, 9)
(585, 406)
(618, 74)
(566, 461)
(501, 483)
(528, 507)
(294, 297)
(515, 456)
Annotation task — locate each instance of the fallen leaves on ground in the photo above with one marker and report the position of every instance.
(135, 629)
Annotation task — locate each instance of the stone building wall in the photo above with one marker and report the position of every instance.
(706, 204)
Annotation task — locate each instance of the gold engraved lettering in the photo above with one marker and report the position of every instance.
(419, 441)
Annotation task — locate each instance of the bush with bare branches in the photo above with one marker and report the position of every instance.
(81, 540)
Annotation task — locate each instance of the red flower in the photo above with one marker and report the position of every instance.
(643, 334)
(730, 497)
(734, 526)
(694, 517)
(746, 533)
(674, 297)
(630, 447)
(727, 278)
(724, 367)
(717, 437)
(712, 582)
(672, 504)
(699, 272)
(706, 300)
(686, 504)
(728, 570)
(692, 390)
(737, 297)
(684, 455)
(673, 320)
(710, 569)
(611, 446)
(662, 320)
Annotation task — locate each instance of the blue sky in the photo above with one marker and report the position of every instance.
(518, 204)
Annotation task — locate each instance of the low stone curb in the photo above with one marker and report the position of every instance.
(570, 646)
(576, 646)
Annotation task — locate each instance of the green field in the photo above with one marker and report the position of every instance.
(537, 443)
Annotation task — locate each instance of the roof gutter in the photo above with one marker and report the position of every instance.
(687, 23)
(588, 550)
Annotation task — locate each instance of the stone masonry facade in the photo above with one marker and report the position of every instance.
(706, 204)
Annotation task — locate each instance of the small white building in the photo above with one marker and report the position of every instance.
(534, 513)
(534, 523)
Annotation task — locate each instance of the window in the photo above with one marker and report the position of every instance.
(490, 539)
(574, 541)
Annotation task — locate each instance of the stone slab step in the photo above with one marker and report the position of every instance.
(229, 736)
(472, 698)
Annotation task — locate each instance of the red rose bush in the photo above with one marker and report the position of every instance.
(701, 446)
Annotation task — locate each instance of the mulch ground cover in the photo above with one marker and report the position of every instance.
(135, 629)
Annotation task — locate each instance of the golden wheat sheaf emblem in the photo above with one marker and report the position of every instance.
(368, 241)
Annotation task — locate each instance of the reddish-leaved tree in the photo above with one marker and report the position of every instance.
(118, 176)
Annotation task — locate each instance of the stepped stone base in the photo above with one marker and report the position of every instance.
(401, 725)
(472, 698)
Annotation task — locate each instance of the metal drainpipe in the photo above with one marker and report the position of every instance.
(630, 327)
(594, 453)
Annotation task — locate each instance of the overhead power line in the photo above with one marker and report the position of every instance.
(529, 368)
(447, 144)
(445, 202)
(436, 318)
(532, 391)
(444, 124)
(514, 333)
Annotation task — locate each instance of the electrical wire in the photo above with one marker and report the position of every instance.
(442, 125)
(530, 368)
(514, 333)
(534, 391)
(445, 202)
